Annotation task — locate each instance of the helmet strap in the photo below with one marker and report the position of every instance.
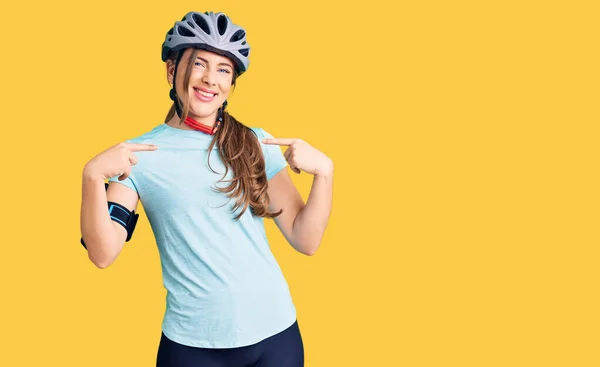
(220, 112)
(173, 92)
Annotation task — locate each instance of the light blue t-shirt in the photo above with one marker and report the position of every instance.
(224, 286)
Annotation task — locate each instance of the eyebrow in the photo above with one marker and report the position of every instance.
(221, 63)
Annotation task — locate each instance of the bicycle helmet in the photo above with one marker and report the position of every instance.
(212, 32)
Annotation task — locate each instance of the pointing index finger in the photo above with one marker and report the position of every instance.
(276, 141)
(140, 147)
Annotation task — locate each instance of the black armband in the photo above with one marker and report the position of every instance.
(120, 214)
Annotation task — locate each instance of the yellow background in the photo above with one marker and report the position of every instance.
(464, 133)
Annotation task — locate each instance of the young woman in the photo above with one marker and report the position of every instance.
(207, 182)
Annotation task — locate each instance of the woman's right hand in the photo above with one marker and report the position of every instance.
(115, 161)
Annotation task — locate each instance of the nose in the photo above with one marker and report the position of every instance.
(209, 77)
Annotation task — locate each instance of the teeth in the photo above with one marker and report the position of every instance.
(204, 93)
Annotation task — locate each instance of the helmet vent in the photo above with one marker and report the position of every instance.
(238, 35)
(222, 24)
(184, 31)
(201, 22)
(245, 51)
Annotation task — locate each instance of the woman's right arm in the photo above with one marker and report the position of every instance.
(103, 237)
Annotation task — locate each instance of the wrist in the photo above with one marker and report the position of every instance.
(89, 175)
(326, 170)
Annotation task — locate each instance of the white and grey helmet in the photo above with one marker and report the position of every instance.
(212, 32)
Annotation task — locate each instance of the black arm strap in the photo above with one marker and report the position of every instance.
(120, 214)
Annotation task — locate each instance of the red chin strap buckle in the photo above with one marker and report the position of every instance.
(201, 127)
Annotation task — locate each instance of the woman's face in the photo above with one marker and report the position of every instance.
(210, 82)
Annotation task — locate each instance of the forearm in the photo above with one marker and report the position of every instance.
(310, 223)
(97, 229)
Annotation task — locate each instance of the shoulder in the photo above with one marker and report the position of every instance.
(260, 133)
(148, 136)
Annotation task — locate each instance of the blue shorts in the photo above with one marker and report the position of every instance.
(284, 349)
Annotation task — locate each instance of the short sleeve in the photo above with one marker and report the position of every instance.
(274, 159)
(127, 182)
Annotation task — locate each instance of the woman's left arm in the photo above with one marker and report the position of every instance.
(303, 225)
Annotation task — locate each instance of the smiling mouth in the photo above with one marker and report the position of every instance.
(205, 94)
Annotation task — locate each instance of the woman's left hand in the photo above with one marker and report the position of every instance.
(301, 156)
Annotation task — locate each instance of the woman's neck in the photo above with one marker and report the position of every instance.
(192, 124)
(176, 122)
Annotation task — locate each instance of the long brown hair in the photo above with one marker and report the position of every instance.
(239, 150)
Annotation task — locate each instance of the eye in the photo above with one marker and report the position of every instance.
(225, 70)
(198, 63)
